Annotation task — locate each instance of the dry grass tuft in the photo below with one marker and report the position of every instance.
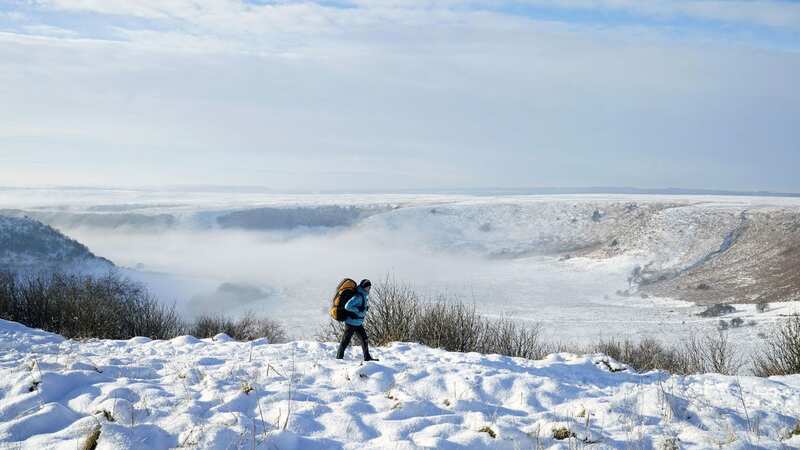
(488, 431)
(91, 440)
(562, 433)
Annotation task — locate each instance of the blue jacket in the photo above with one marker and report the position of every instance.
(357, 305)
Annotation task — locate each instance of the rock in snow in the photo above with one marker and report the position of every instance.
(204, 393)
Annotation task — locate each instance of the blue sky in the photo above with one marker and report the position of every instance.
(399, 94)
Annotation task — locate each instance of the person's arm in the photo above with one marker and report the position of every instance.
(355, 305)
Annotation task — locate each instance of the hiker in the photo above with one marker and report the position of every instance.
(356, 309)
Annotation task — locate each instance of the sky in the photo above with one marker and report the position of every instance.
(400, 94)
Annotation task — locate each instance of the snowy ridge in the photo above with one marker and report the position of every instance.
(28, 244)
(670, 233)
(268, 218)
(220, 394)
(287, 218)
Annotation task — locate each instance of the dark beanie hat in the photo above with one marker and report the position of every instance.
(365, 283)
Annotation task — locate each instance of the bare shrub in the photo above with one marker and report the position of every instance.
(209, 326)
(450, 325)
(780, 355)
(701, 353)
(330, 331)
(710, 352)
(645, 355)
(455, 326)
(260, 327)
(111, 307)
(720, 355)
(80, 306)
(246, 328)
(7, 294)
(393, 311)
(506, 337)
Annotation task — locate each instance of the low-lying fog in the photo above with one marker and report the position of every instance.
(291, 277)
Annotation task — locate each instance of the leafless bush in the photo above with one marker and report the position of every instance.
(209, 326)
(262, 327)
(79, 306)
(246, 328)
(330, 331)
(7, 294)
(719, 354)
(709, 352)
(111, 307)
(450, 325)
(507, 337)
(781, 353)
(701, 353)
(394, 310)
(645, 355)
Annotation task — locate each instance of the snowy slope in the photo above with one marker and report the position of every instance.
(668, 233)
(28, 244)
(194, 393)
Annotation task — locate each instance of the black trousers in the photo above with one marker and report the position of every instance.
(348, 335)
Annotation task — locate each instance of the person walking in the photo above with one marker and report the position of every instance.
(356, 308)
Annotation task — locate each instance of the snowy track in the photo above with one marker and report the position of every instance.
(220, 394)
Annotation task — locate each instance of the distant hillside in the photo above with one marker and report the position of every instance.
(27, 244)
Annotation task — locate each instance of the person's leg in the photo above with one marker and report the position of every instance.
(362, 336)
(348, 334)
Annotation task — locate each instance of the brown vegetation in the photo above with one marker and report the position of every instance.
(111, 307)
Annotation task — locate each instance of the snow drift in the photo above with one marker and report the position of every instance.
(187, 392)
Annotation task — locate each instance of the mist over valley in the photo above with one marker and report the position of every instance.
(585, 266)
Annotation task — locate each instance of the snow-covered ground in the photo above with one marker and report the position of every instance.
(220, 394)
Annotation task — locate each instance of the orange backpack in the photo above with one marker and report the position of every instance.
(344, 292)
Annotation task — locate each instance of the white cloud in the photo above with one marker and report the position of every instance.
(147, 9)
(770, 13)
(760, 12)
(421, 95)
(221, 15)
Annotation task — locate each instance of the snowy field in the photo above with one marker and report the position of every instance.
(219, 394)
(281, 255)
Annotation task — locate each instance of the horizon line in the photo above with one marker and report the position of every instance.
(541, 190)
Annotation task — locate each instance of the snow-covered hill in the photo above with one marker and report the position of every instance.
(190, 393)
(743, 251)
(26, 244)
